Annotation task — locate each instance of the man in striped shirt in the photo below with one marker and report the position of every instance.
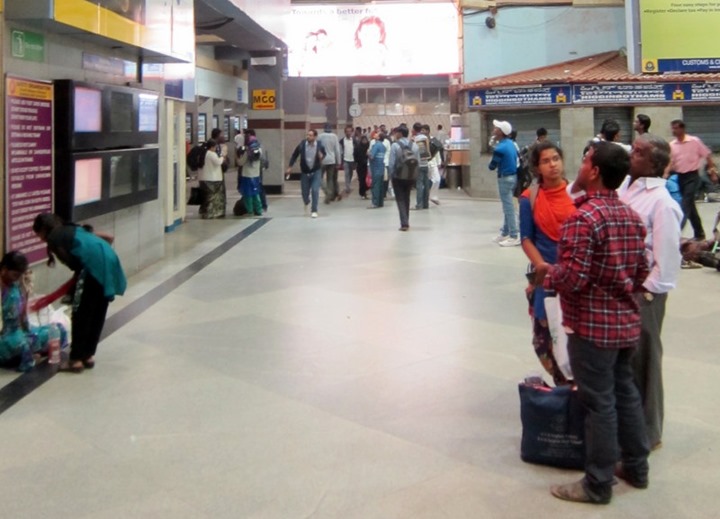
(601, 267)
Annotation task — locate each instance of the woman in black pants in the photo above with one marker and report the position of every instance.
(99, 277)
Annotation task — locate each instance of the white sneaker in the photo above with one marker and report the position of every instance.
(314, 215)
(510, 242)
(500, 237)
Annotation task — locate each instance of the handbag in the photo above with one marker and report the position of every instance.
(195, 196)
(553, 426)
(553, 312)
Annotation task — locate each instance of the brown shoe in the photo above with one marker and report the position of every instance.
(576, 493)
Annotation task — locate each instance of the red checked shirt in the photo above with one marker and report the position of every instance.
(601, 263)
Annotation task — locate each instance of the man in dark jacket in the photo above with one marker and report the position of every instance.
(311, 154)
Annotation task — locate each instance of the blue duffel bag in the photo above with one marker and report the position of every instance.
(553, 423)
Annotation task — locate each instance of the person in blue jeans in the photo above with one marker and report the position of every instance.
(505, 161)
(377, 169)
(311, 154)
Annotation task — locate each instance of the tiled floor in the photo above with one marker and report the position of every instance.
(337, 368)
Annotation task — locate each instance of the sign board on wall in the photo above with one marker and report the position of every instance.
(264, 100)
(28, 162)
(676, 36)
(618, 93)
(27, 45)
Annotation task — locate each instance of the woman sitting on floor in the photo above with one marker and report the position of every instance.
(19, 341)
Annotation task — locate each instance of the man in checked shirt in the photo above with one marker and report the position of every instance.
(601, 266)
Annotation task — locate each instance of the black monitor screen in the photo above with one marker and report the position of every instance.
(88, 110)
(148, 113)
(121, 112)
(121, 175)
(149, 170)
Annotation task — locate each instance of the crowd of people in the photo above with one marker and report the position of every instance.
(387, 163)
(608, 245)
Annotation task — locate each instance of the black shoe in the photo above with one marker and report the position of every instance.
(631, 479)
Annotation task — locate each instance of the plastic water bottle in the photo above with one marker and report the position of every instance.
(53, 345)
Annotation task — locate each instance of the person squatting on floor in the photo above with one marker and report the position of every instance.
(600, 270)
(311, 153)
(645, 192)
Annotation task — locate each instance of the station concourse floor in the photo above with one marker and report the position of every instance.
(338, 368)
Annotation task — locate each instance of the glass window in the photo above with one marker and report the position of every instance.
(430, 95)
(362, 96)
(444, 95)
(412, 95)
(376, 95)
(393, 95)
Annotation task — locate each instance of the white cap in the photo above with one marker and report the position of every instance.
(504, 126)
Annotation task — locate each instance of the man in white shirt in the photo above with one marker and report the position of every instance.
(645, 192)
(347, 150)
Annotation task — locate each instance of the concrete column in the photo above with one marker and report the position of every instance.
(576, 129)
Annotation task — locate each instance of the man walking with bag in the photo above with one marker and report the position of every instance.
(403, 165)
(601, 267)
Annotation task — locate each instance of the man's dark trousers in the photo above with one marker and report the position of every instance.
(402, 188)
(689, 185)
(614, 414)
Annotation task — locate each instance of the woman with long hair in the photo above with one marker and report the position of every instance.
(544, 207)
(99, 277)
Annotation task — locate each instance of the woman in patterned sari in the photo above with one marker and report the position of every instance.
(212, 183)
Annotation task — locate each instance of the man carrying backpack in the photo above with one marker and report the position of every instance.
(423, 183)
(403, 165)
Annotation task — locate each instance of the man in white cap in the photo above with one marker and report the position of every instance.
(505, 161)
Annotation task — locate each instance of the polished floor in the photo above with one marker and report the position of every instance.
(337, 368)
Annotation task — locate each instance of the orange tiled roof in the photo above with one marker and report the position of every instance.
(600, 68)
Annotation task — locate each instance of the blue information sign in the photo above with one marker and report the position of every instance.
(638, 93)
(535, 96)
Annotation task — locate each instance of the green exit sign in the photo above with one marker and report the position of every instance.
(27, 45)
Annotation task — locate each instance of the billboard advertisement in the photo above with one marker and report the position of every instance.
(372, 40)
(157, 25)
(676, 36)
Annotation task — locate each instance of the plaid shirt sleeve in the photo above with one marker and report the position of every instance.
(572, 272)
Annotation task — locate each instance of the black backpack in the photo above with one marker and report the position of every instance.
(524, 175)
(435, 147)
(196, 157)
(406, 169)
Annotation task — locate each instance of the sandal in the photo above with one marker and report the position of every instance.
(89, 363)
(71, 368)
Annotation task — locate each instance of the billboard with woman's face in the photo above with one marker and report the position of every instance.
(375, 40)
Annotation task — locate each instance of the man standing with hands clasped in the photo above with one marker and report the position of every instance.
(645, 192)
(601, 268)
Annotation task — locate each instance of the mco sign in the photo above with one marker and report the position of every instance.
(263, 100)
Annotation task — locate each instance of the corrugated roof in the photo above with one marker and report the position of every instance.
(608, 67)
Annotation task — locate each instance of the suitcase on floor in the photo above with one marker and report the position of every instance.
(553, 426)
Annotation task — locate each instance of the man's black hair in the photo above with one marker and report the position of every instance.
(417, 127)
(644, 121)
(541, 132)
(678, 122)
(610, 129)
(426, 127)
(403, 130)
(612, 161)
(215, 133)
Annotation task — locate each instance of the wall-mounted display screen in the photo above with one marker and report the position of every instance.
(148, 170)
(121, 175)
(121, 112)
(147, 113)
(88, 180)
(372, 40)
(88, 110)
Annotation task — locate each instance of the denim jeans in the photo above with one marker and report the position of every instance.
(423, 185)
(348, 168)
(614, 413)
(311, 182)
(378, 172)
(506, 188)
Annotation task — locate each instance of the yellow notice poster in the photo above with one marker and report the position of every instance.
(679, 36)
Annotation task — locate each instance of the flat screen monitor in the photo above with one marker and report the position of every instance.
(88, 181)
(148, 169)
(121, 175)
(121, 112)
(148, 113)
(88, 110)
